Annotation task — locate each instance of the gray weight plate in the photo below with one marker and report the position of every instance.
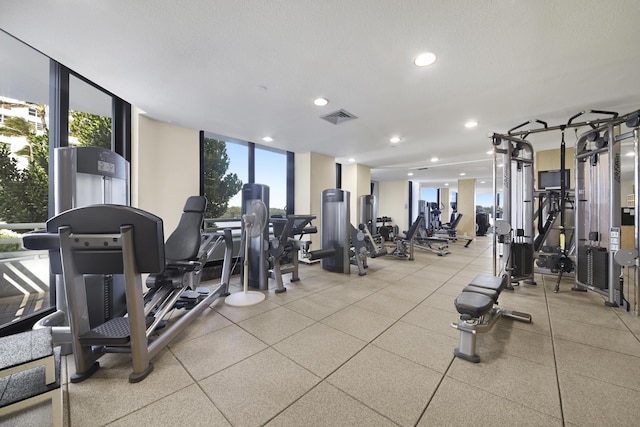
(626, 257)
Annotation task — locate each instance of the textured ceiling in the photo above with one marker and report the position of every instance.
(246, 69)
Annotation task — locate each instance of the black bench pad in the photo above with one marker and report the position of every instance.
(493, 294)
(489, 282)
(473, 304)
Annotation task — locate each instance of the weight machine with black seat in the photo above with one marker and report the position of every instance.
(284, 247)
(342, 244)
(114, 239)
(404, 245)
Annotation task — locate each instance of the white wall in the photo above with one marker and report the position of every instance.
(393, 202)
(165, 168)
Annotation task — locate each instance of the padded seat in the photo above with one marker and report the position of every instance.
(493, 294)
(489, 282)
(473, 304)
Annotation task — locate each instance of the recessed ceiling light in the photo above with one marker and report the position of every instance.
(321, 102)
(500, 165)
(267, 139)
(351, 160)
(490, 152)
(434, 159)
(410, 174)
(462, 174)
(471, 124)
(446, 183)
(483, 182)
(425, 59)
(395, 139)
(630, 154)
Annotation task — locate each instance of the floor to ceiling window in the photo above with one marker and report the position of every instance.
(24, 129)
(31, 126)
(90, 115)
(271, 170)
(225, 170)
(227, 166)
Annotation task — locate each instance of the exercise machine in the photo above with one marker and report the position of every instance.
(115, 239)
(598, 217)
(479, 312)
(596, 200)
(515, 158)
(404, 245)
(342, 244)
(369, 213)
(284, 248)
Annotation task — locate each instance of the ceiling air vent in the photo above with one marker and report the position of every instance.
(338, 117)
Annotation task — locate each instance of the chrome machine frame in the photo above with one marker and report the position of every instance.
(598, 219)
(517, 157)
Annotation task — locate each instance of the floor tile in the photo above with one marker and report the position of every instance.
(189, 406)
(513, 378)
(597, 363)
(108, 394)
(586, 401)
(386, 305)
(238, 314)
(255, 390)
(320, 348)
(481, 409)
(597, 336)
(358, 322)
(223, 348)
(391, 385)
(427, 348)
(275, 325)
(324, 406)
(316, 306)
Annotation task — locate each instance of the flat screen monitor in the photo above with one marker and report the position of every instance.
(550, 180)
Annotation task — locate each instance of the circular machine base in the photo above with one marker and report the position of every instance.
(244, 299)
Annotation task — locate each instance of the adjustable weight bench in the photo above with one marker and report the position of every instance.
(477, 305)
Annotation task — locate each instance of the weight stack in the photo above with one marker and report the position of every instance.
(593, 266)
(522, 254)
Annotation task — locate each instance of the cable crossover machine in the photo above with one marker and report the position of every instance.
(591, 246)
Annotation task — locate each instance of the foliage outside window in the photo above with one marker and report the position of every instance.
(219, 186)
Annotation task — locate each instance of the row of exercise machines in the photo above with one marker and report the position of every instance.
(117, 244)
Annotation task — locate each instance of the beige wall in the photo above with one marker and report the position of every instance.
(314, 173)
(165, 168)
(467, 206)
(393, 201)
(445, 199)
(356, 179)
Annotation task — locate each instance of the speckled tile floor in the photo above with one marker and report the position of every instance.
(378, 350)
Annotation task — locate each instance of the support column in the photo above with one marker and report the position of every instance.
(314, 173)
(467, 206)
(356, 179)
(445, 199)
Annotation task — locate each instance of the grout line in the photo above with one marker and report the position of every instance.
(553, 350)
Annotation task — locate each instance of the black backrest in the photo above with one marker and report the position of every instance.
(414, 227)
(454, 224)
(107, 219)
(184, 243)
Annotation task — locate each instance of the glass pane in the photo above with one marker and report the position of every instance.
(90, 115)
(225, 170)
(271, 170)
(24, 145)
